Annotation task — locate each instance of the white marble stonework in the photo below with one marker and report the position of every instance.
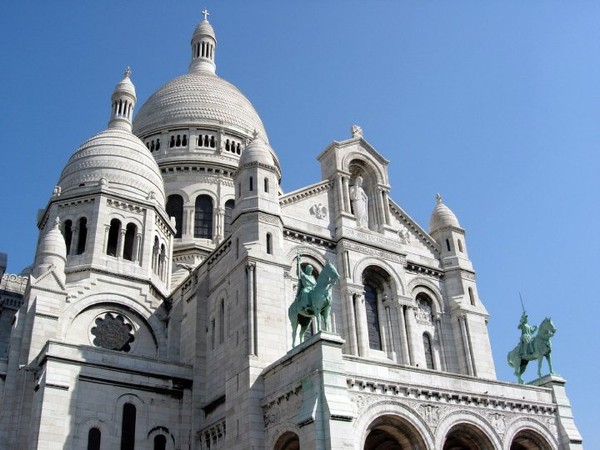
(155, 313)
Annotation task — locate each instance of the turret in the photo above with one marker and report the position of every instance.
(204, 44)
(51, 253)
(123, 101)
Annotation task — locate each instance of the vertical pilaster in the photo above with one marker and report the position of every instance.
(405, 352)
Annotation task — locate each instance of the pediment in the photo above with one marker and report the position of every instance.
(311, 205)
(411, 233)
(49, 281)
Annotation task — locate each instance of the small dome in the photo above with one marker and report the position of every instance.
(125, 85)
(257, 151)
(52, 250)
(442, 216)
(115, 158)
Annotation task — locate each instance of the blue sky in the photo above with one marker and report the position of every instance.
(496, 105)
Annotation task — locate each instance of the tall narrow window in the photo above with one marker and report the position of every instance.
(160, 442)
(94, 438)
(448, 244)
(175, 209)
(428, 351)
(471, 296)
(128, 427)
(113, 237)
(460, 247)
(229, 205)
(68, 234)
(203, 217)
(371, 307)
(269, 244)
(251, 184)
(222, 321)
(266, 185)
(128, 249)
(81, 241)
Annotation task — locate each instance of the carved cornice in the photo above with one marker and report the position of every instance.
(125, 206)
(219, 252)
(366, 250)
(424, 270)
(299, 236)
(308, 192)
(412, 225)
(282, 406)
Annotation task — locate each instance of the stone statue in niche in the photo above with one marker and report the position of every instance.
(360, 203)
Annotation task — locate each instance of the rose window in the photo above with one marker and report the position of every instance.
(113, 332)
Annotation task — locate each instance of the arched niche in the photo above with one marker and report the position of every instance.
(287, 441)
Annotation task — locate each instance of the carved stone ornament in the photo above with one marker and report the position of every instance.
(430, 413)
(498, 421)
(404, 236)
(283, 408)
(423, 314)
(318, 210)
(113, 332)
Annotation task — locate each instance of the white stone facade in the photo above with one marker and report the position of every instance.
(155, 315)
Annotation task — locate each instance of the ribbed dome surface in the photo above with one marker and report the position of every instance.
(441, 217)
(195, 99)
(121, 159)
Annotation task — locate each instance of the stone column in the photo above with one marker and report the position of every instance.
(219, 214)
(106, 233)
(410, 331)
(464, 331)
(136, 254)
(74, 239)
(346, 194)
(121, 242)
(386, 206)
(361, 324)
(438, 331)
(403, 336)
(188, 222)
(251, 270)
(351, 321)
(339, 186)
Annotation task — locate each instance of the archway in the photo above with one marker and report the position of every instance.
(288, 441)
(529, 440)
(393, 433)
(465, 436)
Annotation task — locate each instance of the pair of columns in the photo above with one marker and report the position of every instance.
(379, 208)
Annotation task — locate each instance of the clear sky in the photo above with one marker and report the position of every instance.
(495, 104)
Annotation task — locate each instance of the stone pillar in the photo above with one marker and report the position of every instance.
(386, 206)
(188, 222)
(251, 271)
(346, 194)
(74, 239)
(351, 321)
(137, 249)
(106, 233)
(464, 332)
(219, 214)
(403, 336)
(121, 242)
(339, 187)
(361, 324)
(410, 332)
(438, 331)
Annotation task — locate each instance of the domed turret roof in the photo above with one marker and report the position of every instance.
(442, 216)
(257, 151)
(115, 158)
(51, 250)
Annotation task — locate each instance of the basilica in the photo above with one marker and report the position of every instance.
(172, 303)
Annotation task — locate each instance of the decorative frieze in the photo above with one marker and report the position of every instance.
(284, 407)
(125, 206)
(424, 270)
(299, 236)
(366, 250)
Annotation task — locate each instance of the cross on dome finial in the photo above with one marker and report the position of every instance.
(127, 72)
(205, 13)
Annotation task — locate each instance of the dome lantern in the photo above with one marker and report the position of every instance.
(204, 43)
(122, 103)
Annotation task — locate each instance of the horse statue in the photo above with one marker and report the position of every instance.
(532, 347)
(312, 300)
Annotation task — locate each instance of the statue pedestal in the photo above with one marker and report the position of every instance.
(570, 437)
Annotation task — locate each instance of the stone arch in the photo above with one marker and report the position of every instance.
(150, 319)
(359, 268)
(305, 251)
(278, 433)
(161, 431)
(182, 193)
(529, 434)
(425, 286)
(369, 166)
(140, 409)
(465, 429)
(288, 441)
(398, 420)
(83, 427)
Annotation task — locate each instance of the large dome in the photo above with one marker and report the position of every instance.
(198, 98)
(119, 159)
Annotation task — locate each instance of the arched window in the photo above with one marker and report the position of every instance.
(160, 442)
(128, 249)
(266, 184)
(155, 254)
(94, 438)
(175, 209)
(203, 217)
(68, 234)
(229, 205)
(428, 351)
(448, 244)
(128, 427)
(371, 306)
(82, 235)
(288, 441)
(113, 237)
(221, 321)
(269, 244)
